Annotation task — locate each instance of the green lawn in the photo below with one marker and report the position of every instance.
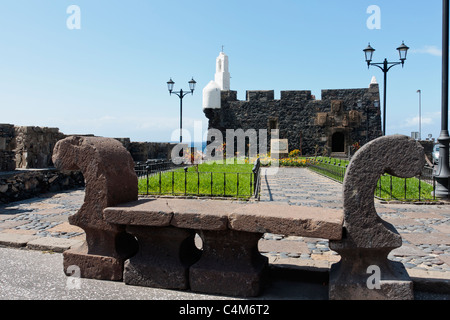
(228, 180)
(403, 189)
(388, 187)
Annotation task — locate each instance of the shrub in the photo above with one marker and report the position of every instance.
(295, 153)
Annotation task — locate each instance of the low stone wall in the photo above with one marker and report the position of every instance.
(25, 184)
(7, 145)
(34, 146)
(141, 151)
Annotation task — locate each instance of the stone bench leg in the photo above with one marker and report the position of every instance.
(106, 261)
(230, 264)
(367, 274)
(163, 259)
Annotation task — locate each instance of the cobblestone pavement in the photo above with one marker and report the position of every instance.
(425, 229)
(41, 223)
(44, 216)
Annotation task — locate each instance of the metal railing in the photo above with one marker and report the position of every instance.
(331, 168)
(394, 188)
(152, 166)
(419, 188)
(165, 179)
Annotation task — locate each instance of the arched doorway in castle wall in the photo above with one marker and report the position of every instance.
(338, 142)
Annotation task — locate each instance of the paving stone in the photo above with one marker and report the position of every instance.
(408, 250)
(66, 227)
(435, 238)
(281, 246)
(5, 216)
(53, 244)
(12, 224)
(15, 240)
(443, 228)
(20, 231)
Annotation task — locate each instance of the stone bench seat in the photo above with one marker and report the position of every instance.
(221, 215)
(229, 262)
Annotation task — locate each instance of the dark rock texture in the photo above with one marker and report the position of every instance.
(164, 257)
(25, 184)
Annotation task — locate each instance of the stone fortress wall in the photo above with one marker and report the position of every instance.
(7, 146)
(331, 125)
(34, 146)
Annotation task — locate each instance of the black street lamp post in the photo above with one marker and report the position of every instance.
(442, 171)
(385, 67)
(420, 113)
(181, 94)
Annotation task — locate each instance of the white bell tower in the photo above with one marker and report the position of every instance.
(221, 82)
(222, 76)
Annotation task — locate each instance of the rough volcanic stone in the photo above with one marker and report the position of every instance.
(368, 239)
(108, 170)
(349, 278)
(92, 266)
(143, 212)
(164, 257)
(201, 214)
(288, 220)
(34, 146)
(230, 264)
(181, 213)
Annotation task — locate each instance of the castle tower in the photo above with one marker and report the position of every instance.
(222, 76)
(212, 92)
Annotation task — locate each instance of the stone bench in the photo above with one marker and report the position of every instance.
(165, 254)
(229, 262)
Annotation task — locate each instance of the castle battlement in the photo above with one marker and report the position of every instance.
(300, 95)
(267, 95)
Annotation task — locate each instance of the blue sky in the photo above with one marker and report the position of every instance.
(108, 78)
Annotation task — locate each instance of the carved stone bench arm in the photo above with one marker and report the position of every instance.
(110, 179)
(368, 239)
